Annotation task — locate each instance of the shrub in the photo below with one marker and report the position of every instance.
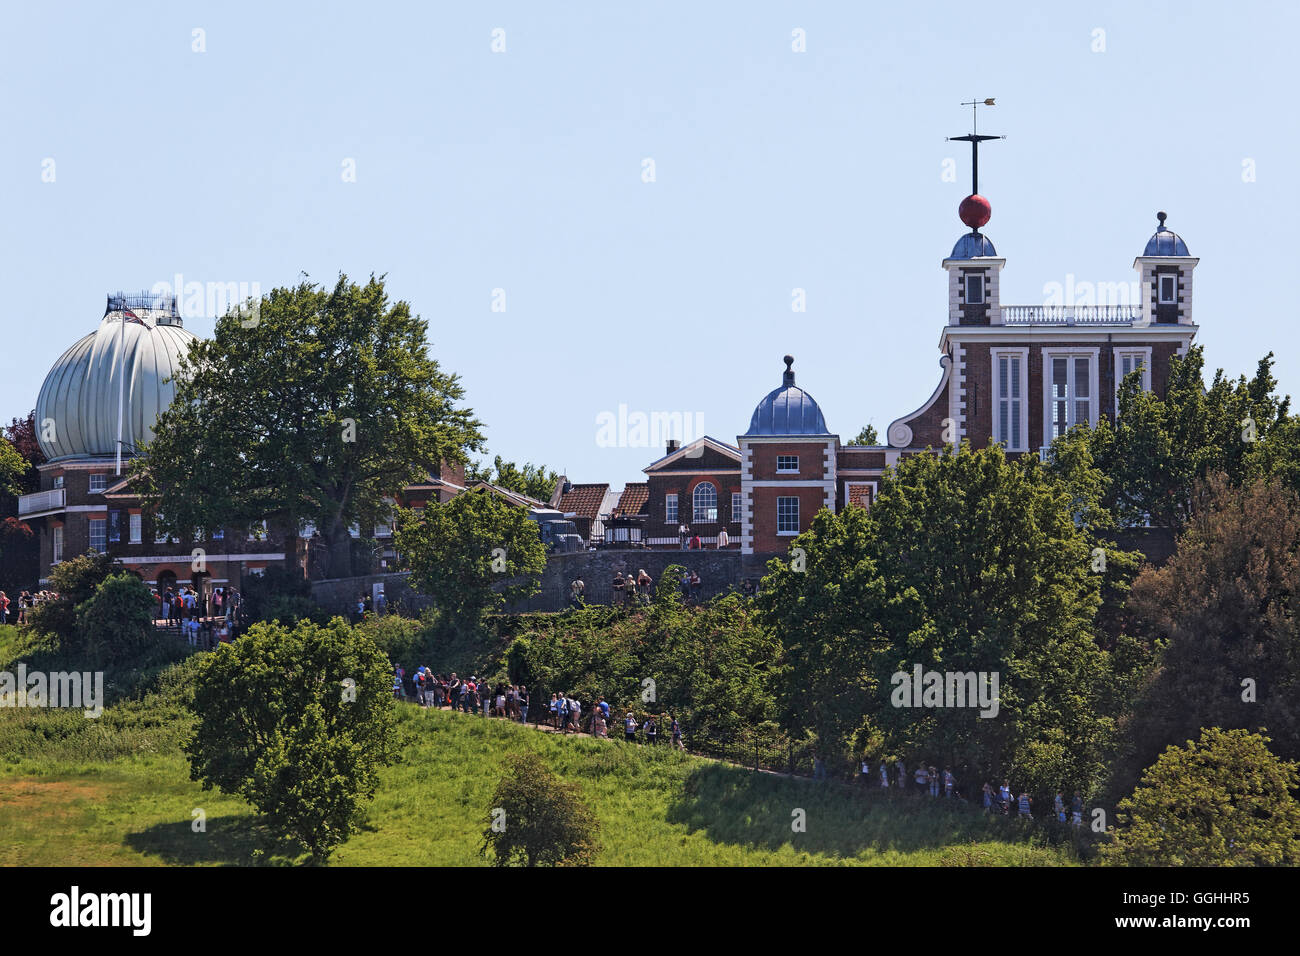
(116, 622)
(538, 820)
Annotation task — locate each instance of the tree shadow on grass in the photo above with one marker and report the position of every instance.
(736, 806)
(232, 841)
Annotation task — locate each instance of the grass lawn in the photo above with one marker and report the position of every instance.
(116, 790)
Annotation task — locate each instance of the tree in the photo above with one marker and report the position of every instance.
(298, 722)
(19, 545)
(535, 481)
(74, 582)
(116, 622)
(867, 436)
(1222, 800)
(314, 413)
(1223, 613)
(538, 820)
(472, 553)
(1162, 445)
(966, 563)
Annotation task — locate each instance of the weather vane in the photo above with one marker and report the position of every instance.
(975, 209)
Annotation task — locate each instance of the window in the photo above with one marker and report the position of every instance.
(98, 482)
(736, 506)
(1071, 392)
(1127, 362)
(1010, 385)
(58, 481)
(670, 508)
(218, 534)
(135, 528)
(1168, 289)
(787, 515)
(58, 543)
(115, 526)
(257, 531)
(98, 533)
(787, 464)
(705, 503)
(974, 290)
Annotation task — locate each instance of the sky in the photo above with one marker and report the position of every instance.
(489, 155)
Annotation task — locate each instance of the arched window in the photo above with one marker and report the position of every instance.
(705, 501)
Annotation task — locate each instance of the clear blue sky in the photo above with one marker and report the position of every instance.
(523, 171)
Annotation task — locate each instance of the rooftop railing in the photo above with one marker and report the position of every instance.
(41, 501)
(1071, 314)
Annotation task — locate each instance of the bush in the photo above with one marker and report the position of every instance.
(117, 621)
(539, 820)
(74, 581)
(298, 722)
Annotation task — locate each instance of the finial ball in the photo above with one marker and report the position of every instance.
(975, 210)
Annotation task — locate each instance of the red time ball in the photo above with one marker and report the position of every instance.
(975, 210)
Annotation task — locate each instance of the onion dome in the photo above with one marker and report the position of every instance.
(973, 245)
(788, 410)
(140, 337)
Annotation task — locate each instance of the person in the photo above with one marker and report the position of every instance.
(949, 782)
(644, 585)
(598, 723)
(676, 730)
(418, 680)
(619, 587)
(866, 771)
(575, 592)
(1076, 809)
(932, 776)
(902, 774)
(695, 585)
(361, 608)
(1025, 802)
(522, 698)
(682, 532)
(723, 540)
(685, 582)
(651, 730)
(1004, 795)
(233, 605)
(575, 715)
(922, 778)
(988, 796)
(4, 608)
(629, 728)
(24, 602)
(501, 702)
(696, 543)
(819, 766)
(603, 707)
(884, 775)
(555, 711)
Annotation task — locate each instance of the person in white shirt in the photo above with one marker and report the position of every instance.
(723, 540)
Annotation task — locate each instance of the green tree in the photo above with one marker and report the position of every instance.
(535, 481)
(298, 722)
(538, 820)
(867, 436)
(313, 412)
(116, 622)
(966, 562)
(472, 553)
(74, 582)
(1222, 800)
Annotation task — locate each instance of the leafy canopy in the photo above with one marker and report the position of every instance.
(538, 819)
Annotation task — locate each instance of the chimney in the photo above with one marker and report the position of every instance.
(673, 445)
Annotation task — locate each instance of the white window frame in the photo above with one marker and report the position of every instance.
(1069, 354)
(135, 526)
(787, 470)
(737, 505)
(1122, 352)
(1160, 288)
(1022, 440)
(58, 481)
(102, 482)
(57, 556)
(695, 506)
(967, 298)
(671, 512)
(90, 535)
(795, 499)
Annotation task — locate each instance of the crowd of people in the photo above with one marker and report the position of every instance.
(565, 714)
(15, 610)
(929, 780)
(180, 605)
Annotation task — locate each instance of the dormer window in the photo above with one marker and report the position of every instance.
(974, 290)
(1168, 290)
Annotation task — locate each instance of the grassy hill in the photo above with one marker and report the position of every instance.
(116, 790)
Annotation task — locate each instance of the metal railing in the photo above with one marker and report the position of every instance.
(1071, 314)
(52, 500)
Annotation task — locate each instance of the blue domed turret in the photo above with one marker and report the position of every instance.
(788, 410)
(973, 245)
(1165, 242)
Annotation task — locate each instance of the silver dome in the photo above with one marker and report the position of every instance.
(80, 394)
